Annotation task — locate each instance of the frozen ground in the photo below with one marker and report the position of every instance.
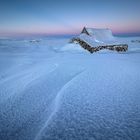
(52, 91)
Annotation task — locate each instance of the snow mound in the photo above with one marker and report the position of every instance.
(72, 47)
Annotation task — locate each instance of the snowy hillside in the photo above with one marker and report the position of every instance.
(52, 90)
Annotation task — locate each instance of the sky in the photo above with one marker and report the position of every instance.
(68, 16)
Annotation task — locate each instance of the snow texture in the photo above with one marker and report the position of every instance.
(52, 90)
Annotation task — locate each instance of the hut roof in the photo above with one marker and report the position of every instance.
(94, 42)
(99, 34)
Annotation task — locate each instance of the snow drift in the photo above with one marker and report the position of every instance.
(72, 48)
(49, 95)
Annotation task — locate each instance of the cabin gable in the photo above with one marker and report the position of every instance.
(85, 31)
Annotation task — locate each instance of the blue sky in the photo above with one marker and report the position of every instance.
(68, 16)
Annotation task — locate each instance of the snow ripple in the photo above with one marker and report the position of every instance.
(56, 104)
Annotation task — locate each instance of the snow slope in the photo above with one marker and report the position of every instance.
(47, 92)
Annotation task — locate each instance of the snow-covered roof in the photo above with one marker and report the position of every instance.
(99, 34)
(93, 42)
(98, 37)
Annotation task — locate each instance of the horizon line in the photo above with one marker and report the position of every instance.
(64, 34)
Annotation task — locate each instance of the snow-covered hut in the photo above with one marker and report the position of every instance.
(94, 40)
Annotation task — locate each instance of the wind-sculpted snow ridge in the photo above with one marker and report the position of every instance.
(56, 103)
(101, 106)
(31, 97)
